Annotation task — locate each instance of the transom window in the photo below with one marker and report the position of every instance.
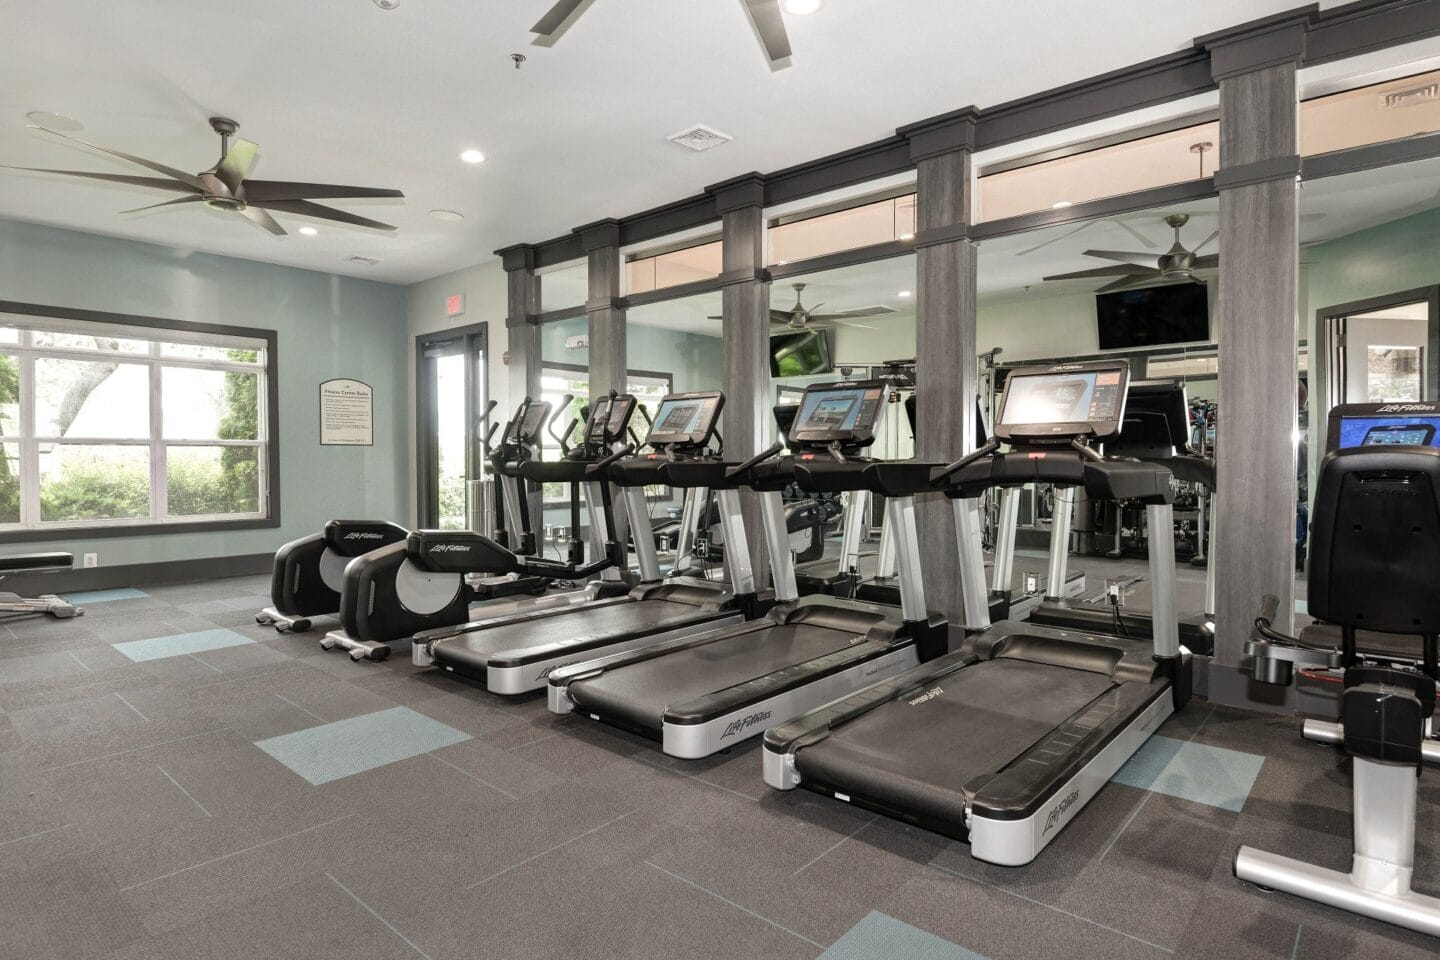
(113, 425)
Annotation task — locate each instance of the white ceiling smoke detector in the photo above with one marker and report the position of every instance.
(700, 138)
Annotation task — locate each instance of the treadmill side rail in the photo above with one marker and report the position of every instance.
(1016, 842)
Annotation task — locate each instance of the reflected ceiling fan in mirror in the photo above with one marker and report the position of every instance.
(226, 186)
(764, 14)
(800, 317)
(1178, 264)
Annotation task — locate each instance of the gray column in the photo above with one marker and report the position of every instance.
(746, 330)
(945, 369)
(601, 241)
(1255, 327)
(522, 344)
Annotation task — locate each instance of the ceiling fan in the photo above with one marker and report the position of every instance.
(1175, 264)
(225, 185)
(764, 14)
(800, 317)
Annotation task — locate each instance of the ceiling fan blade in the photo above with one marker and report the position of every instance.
(875, 311)
(1206, 263)
(186, 178)
(1068, 233)
(554, 17)
(265, 190)
(1116, 271)
(1206, 242)
(125, 178)
(307, 209)
(1145, 241)
(765, 14)
(1123, 283)
(239, 161)
(1146, 260)
(780, 316)
(263, 220)
(192, 198)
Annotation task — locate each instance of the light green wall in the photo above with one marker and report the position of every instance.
(696, 361)
(1400, 255)
(328, 326)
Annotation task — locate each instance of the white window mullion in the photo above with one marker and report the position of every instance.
(159, 477)
(29, 447)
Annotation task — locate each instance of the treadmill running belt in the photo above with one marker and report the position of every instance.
(638, 694)
(475, 649)
(918, 754)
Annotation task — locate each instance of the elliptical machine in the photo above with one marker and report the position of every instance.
(385, 597)
(1375, 546)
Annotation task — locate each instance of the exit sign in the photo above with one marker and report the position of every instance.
(454, 304)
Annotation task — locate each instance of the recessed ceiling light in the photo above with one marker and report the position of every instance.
(907, 236)
(1060, 204)
(54, 121)
(801, 8)
(387, 4)
(449, 216)
(307, 231)
(473, 156)
(903, 293)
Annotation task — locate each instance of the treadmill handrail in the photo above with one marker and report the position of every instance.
(600, 466)
(950, 470)
(774, 449)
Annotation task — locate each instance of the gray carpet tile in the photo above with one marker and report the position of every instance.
(140, 821)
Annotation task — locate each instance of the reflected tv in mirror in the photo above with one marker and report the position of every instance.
(801, 354)
(1174, 313)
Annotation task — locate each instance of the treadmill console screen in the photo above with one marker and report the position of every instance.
(536, 413)
(595, 429)
(1064, 401)
(622, 408)
(686, 419)
(1415, 424)
(843, 412)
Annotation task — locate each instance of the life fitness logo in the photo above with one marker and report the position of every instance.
(745, 723)
(360, 535)
(450, 548)
(1057, 814)
(1066, 366)
(1407, 408)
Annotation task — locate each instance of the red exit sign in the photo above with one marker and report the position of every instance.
(454, 304)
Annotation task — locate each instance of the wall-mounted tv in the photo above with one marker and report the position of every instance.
(801, 354)
(1174, 313)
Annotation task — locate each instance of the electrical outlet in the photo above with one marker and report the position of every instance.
(92, 560)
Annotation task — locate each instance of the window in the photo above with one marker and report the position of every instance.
(1394, 373)
(1408, 107)
(672, 268)
(808, 235)
(117, 425)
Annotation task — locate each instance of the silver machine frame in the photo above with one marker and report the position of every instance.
(1383, 862)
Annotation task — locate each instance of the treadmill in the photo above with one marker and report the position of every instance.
(1156, 429)
(703, 694)
(516, 654)
(1003, 742)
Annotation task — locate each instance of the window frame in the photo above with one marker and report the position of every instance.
(157, 330)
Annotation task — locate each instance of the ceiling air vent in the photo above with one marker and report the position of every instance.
(1413, 97)
(700, 138)
(368, 261)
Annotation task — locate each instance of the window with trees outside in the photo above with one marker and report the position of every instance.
(121, 425)
(556, 380)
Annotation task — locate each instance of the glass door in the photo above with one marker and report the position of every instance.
(452, 390)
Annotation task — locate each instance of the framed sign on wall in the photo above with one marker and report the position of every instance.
(347, 413)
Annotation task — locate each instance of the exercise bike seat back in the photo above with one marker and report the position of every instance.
(1376, 544)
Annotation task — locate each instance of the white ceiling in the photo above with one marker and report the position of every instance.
(343, 92)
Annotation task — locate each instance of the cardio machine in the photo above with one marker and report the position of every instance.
(1005, 740)
(386, 597)
(701, 694)
(1375, 544)
(516, 654)
(1156, 429)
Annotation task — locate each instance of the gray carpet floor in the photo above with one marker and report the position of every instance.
(139, 819)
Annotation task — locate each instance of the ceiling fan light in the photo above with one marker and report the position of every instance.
(903, 293)
(801, 8)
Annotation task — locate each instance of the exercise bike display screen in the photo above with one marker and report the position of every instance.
(535, 415)
(686, 419)
(1071, 400)
(1399, 431)
(846, 413)
(599, 421)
